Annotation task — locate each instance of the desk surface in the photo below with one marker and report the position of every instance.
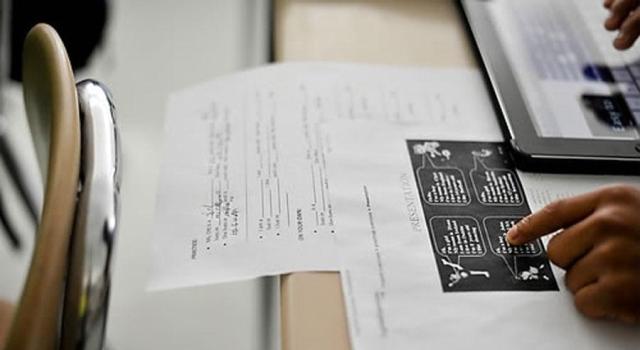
(178, 46)
(408, 32)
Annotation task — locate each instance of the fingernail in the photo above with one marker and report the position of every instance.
(620, 42)
(612, 23)
(512, 235)
(607, 24)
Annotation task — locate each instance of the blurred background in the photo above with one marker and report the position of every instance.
(142, 50)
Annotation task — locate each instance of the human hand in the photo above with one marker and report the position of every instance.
(625, 19)
(598, 246)
(6, 316)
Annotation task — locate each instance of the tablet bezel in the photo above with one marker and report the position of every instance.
(533, 151)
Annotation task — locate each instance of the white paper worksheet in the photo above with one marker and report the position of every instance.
(424, 219)
(244, 189)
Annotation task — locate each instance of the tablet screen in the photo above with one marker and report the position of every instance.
(574, 83)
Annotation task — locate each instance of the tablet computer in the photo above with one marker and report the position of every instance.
(569, 101)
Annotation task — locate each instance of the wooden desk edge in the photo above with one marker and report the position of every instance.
(313, 296)
(313, 310)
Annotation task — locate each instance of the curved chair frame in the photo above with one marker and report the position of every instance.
(87, 289)
(52, 108)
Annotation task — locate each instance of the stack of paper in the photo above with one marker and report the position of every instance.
(395, 176)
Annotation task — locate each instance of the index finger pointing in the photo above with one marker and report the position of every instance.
(556, 215)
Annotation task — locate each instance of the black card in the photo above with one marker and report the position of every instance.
(471, 196)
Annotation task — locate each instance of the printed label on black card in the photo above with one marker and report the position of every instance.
(471, 196)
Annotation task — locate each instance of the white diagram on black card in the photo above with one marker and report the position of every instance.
(494, 186)
(455, 238)
(468, 238)
(496, 228)
(440, 184)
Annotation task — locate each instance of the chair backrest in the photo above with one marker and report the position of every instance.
(88, 281)
(65, 299)
(52, 109)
